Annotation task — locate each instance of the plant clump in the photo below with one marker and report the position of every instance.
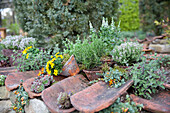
(17, 42)
(39, 84)
(127, 53)
(21, 100)
(113, 77)
(2, 80)
(63, 100)
(148, 77)
(128, 106)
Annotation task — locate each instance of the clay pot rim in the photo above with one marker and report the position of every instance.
(66, 110)
(88, 71)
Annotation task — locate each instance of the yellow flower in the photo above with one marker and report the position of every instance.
(27, 56)
(52, 65)
(24, 52)
(56, 55)
(15, 108)
(49, 71)
(55, 72)
(51, 56)
(53, 59)
(29, 47)
(61, 56)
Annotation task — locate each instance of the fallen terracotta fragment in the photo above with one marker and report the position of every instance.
(27, 86)
(72, 84)
(158, 104)
(166, 85)
(92, 75)
(7, 70)
(71, 67)
(97, 97)
(13, 79)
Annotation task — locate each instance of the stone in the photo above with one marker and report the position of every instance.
(4, 94)
(13, 79)
(27, 86)
(158, 104)
(72, 84)
(36, 106)
(160, 48)
(5, 106)
(7, 70)
(97, 97)
(92, 75)
(71, 67)
(163, 41)
(12, 96)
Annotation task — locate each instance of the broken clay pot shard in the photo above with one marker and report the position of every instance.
(13, 80)
(71, 67)
(28, 83)
(158, 104)
(97, 97)
(72, 84)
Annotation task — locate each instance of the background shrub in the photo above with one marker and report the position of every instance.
(151, 10)
(42, 18)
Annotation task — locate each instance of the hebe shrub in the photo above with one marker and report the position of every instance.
(47, 18)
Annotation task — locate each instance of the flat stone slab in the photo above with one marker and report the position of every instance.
(5, 106)
(27, 86)
(160, 103)
(13, 79)
(7, 70)
(72, 84)
(97, 97)
(160, 48)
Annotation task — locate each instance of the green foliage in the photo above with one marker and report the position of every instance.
(147, 78)
(133, 34)
(123, 107)
(151, 10)
(2, 80)
(86, 52)
(14, 28)
(31, 58)
(127, 53)
(63, 100)
(44, 18)
(105, 67)
(40, 82)
(110, 34)
(21, 100)
(4, 60)
(129, 16)
(113, 77)
(17, 42)
(120, 69)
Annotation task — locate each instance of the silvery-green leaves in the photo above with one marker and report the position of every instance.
(127, 53)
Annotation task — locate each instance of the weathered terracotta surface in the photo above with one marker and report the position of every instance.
(92, 75)
(97, 97)
(72, 84)
(7, 70)
(160, 103)
(13, 79)
(166, 85)
(70, 68)
(27, 86)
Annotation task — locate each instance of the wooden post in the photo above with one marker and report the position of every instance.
(3, 32)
